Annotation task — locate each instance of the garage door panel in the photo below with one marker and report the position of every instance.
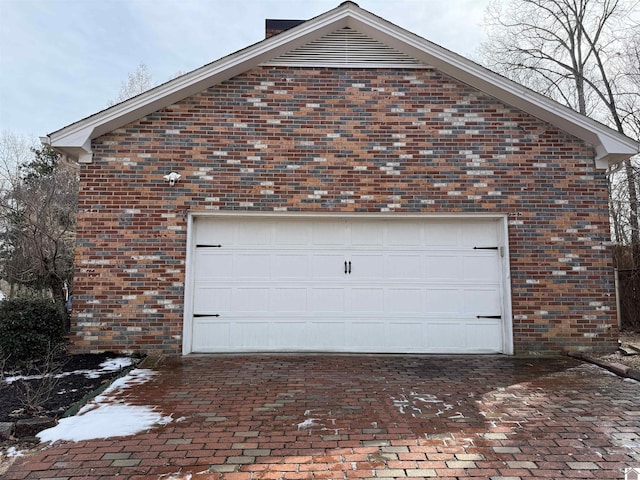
(370, 266)
(251, 334)
(254, 266)
(212, 265)
(481, 301)
(415, 285)
(327, 233)
(406, 335)
(288, 266)
(367, 300)
(442, 267)
(406, 300)
(367, 336)
(404, 235)
(284, 334)
(481, 268)
(250, 300)
(292, 234)
(477, 234)
(484, 336)
(442, 235)
(289, 300)
(328, 299)
(443, 301)
(212, 299)
(328, 335)
(327, 266)
(211, 336)
(220, 232)
(404, 267)
(367, 235)
(447, 337)
(255, 233)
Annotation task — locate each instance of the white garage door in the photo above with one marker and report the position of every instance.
(346, 285)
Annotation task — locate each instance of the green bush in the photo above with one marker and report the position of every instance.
(30, 329)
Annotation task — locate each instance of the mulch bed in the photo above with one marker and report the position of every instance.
(66, 392)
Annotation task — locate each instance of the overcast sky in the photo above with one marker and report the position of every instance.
(63, 60)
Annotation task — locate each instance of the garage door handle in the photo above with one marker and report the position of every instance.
(349, 267)
(345, 267)
(488, 316)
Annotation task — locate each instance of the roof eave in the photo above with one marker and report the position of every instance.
(610, 146)
(75, 139)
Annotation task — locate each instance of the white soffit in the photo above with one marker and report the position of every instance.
(610, 146)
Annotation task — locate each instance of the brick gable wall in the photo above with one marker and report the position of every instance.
(340, 140)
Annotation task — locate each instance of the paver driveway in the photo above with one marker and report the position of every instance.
(359, 416)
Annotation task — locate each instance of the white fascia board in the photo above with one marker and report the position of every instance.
(610, 146)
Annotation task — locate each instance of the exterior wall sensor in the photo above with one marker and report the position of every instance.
(172, 178)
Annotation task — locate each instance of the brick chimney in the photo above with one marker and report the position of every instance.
(274, 27)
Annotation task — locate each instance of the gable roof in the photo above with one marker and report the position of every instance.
(318, 38)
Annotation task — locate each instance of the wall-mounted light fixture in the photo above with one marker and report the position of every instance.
(172, 178)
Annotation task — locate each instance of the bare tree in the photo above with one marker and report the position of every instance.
(14, 150)
(137, 82)
(38, 205)
(584, 54)
(629, 105)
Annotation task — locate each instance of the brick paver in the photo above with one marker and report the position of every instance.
(348, 417)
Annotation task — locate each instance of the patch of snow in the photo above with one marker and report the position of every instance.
(308, 423)
(416, 404)
(62, 392)
(107, 416)
(317, 411)
(137, 376)
(108, 366)
(13, 452)
(176, 476)
(104, 421)
(425, 398)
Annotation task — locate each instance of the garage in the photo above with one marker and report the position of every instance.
(347, 284)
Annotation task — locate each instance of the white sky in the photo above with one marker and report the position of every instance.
(62, 60)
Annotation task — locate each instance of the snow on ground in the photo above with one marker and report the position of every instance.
(107, 415)
(308, 423)
(111, 365)
(7, 458)
(13, 452)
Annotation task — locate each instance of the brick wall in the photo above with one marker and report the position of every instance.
(340, 140)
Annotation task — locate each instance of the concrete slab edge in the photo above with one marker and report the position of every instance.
(71, 411)
(617, 368)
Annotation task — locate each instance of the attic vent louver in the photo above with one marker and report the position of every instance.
(346, 48)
